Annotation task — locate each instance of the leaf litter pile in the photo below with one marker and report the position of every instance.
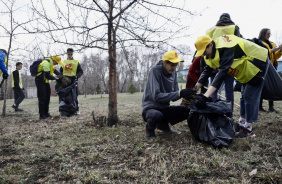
(80, 150)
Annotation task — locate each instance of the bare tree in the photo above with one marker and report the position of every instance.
(11, 33)
(105, 24)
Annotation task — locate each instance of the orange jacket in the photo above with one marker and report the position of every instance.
(273, 56)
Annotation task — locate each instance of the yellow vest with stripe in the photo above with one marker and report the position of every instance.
(70, 67)
(20, 80)
(217, 31)
(40, 68)
(242, 69)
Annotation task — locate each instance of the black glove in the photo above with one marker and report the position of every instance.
(188, 93)
(201, 101)
(59, 80)
(5, 76)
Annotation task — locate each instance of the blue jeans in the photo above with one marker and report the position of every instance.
(249, 103)
(229, 92)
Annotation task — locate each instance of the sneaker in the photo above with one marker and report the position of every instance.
(150, 134)
(245, 133)
(19, 110)
(14, 107)
(237, 127)
(43, 117)
(272, 110)
(166, 129)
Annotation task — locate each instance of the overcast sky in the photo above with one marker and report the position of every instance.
(250, 15)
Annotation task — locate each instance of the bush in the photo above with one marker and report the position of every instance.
(131, 88)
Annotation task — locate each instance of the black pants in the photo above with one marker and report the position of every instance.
(19, 96)
(161, 117)
(43, 93)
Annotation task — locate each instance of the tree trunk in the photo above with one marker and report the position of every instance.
(84, 87)
(112, 114)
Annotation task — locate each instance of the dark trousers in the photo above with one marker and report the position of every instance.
(43, 93)
(19, 96)
(270, 103)
(161, 117)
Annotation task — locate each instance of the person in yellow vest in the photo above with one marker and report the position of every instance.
(3, 61)
(45, 73)
(17, 87)
(224, 26)
(275, 53)
(242, 59)
(71, 68)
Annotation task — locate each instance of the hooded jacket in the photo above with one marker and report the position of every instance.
(161, 88)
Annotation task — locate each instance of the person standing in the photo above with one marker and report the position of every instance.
(275, 53)
(224, 26)
(242, 59)
(161, 88)
(17, 87)
(71, 68)
(45, 73)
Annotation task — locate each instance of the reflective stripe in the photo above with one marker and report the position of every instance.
(242, 69)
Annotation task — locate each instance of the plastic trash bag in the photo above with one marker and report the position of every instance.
(67, 99)
(212, 124)
(272, 88)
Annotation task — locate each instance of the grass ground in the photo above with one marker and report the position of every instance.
(75, 150)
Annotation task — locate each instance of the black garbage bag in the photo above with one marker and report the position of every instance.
(272, 88)
(212, 124)
(67, 99)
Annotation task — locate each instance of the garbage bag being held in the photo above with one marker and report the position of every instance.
(67, 98)
(211, 123)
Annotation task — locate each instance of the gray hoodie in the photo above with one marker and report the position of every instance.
(161, 88)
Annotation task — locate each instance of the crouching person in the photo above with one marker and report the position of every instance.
(242, 59)
(161, 88)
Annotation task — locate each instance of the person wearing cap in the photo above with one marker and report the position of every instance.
(45, 72)
(17, 87)
(161, 88)
(242, 59)
(224, 26)
(72, 69)
(3, 62)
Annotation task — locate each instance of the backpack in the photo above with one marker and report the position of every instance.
(33, 67)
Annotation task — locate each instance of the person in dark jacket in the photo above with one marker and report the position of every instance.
(72, 69)
(242, 59)
(17, 87)
(161, 88)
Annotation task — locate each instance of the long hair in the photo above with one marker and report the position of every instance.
(262, 36)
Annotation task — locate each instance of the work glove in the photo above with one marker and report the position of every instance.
(201, 101)
(5, 76)
(188, 93)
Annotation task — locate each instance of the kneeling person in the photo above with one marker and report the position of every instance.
(161, 88)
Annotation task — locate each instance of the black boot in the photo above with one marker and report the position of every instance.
(150, 133)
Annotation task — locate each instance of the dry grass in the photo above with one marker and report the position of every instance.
(75, 150)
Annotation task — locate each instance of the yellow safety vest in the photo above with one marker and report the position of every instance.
(217, 31)
(50, 67)
(20, 80)
(70, 67)
(242, 69)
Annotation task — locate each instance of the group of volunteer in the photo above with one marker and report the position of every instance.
(44, 72)
(226, 56)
